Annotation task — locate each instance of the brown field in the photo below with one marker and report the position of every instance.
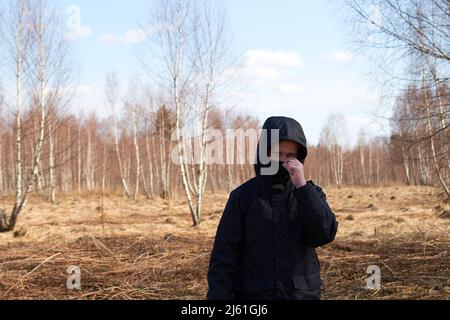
(148, 249)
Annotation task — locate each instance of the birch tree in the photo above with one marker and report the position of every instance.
(36, 44)
(16, 42)
(333, 136)
(112, 97)
(409, 41)
(190, 41)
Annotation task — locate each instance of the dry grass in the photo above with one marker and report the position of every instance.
(148, 249)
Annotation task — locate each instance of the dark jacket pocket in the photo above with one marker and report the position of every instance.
(307, 286)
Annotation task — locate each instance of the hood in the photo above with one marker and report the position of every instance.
(289, 129)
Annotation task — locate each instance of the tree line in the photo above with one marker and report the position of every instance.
(188, 72)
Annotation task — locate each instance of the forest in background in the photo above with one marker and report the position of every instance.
(47, 150)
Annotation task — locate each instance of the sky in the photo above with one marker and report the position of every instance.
(296, 51)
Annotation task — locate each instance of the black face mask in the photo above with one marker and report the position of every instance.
(282, 176)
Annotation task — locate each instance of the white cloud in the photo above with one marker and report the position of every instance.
(291, 88)
(80, 32)
(129, 37)
(265, 72)
(271, 64)
(341, 56)
(134, 36)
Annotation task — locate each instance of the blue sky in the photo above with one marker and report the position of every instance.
(302, 63)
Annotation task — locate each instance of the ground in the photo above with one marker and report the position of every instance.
(148, 249)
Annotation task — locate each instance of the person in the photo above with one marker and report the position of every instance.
(265, 242)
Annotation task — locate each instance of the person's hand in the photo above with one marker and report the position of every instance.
(296, 171)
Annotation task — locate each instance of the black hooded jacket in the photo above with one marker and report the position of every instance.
(266, 239)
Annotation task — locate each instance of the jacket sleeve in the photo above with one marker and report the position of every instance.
(225, 255)
(319, 221)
